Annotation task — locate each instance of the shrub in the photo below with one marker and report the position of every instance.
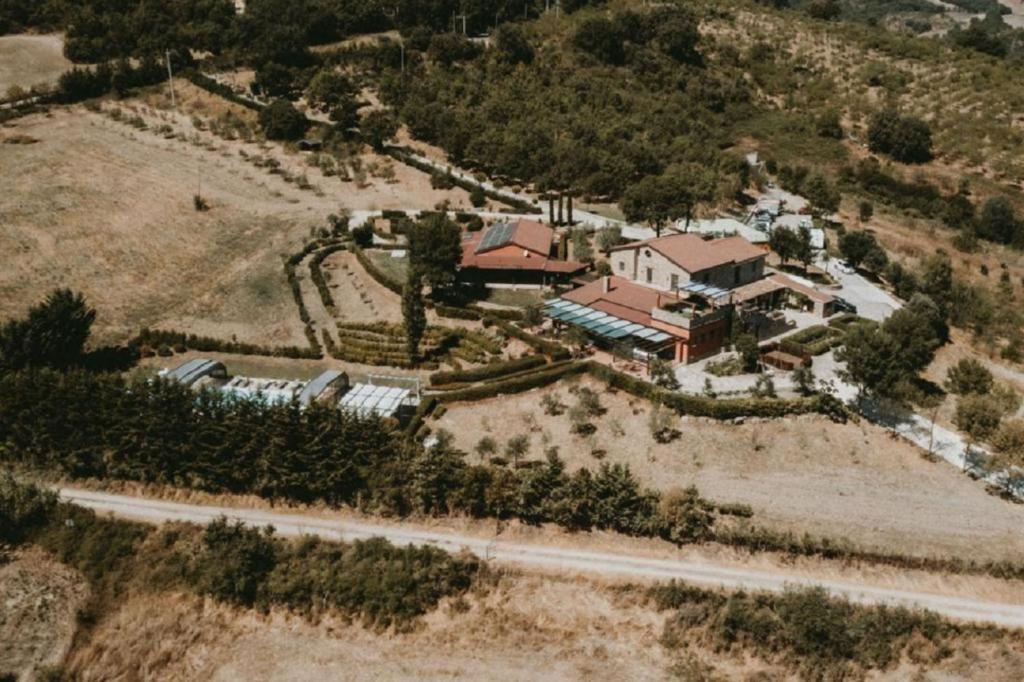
(282, 121)
(23, 507)
(968, 376)
(489, 371)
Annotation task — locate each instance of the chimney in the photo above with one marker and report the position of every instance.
(606, 283)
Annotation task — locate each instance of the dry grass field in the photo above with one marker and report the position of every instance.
(39, 601)
(522, 628)
(803, 474)
(106, 208)
(27, 60)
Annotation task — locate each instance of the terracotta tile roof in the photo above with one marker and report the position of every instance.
(694, 254)
(528, 258)
(623, 299)
(527, 234)
(809, 292)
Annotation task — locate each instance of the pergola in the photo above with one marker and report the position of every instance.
(608, 328)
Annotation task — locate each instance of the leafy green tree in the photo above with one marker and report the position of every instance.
(582, 251)
(998, 222)
(517, 447)
(608, 237)
(828, 125)
(978, 416)
(858, 246)
(23, 506)
(678, 36)
(750, 354)
(662, 374)
(822, 194)
(827, 10)
(378, 128)
(686, 516)
(414, 314)
(53, 334)
(803, 379)
(879, 360)
(600, 37)
(865, 211)
(511, 45)
(333, 92)
(280, 120)
(904, 138)
(968, 376)
(435, 249)
(235, 561)
(658, 199)
(486, 447)
(784, 242)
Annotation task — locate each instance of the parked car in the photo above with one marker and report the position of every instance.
(844, 306)
(845, 267)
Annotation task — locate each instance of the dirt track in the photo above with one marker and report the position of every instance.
(547, 558)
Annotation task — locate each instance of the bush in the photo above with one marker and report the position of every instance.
(166, 338)
(904, 138)
(282, 121)
(968, 376)
(489, 371)
(23, 507)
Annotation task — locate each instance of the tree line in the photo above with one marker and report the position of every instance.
(373, 580)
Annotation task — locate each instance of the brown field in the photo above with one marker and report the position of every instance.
(39, 601)
(27, 60)
(522, 628)
(105, 208)
(357, 296)
(849, 481)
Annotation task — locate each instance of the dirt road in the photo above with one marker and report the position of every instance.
(547, 558)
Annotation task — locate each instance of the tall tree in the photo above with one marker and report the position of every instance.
(435, 248)
(53, 335)
(413, 314)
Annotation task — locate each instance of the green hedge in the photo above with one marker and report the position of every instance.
(212, 86)
(426, 406)
(456, 313)
(157, 337)
(490, 371)
(468, 185)
(375, 273)
(317, 274)
(519, 384)
(555, 350)
(716, 408)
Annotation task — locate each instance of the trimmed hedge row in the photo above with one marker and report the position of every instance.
(456, 313)
(518, 204)
(555, 350)
(317, 274)
(426, 407)
(525, 382)
(715, 408)
(375, 273)
(493, 370)
(151, 337)
(212, 86)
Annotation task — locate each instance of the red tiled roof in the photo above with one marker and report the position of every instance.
(623, 299)
(535, 241)
(694, 254)
(534, 236)
(809, 292)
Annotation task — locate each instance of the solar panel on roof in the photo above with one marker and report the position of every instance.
(659, 337)
(645, 333)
